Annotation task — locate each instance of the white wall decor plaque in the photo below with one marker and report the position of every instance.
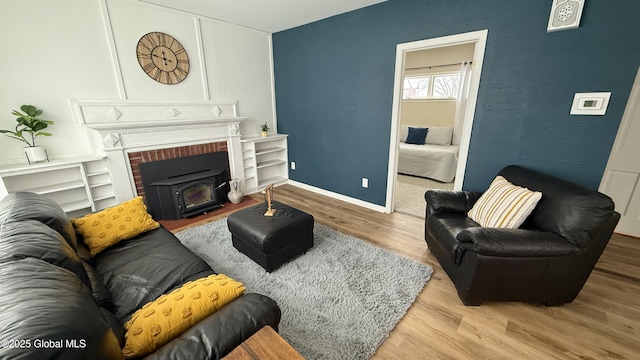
(565, 14)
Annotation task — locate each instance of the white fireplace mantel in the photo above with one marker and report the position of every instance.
(118, 127)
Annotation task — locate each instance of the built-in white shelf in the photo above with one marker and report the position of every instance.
(268, 163)
(53, 188)
(266, 181)
(265, 162)
(75, 206)
(270, 150)
(76, 184)
(105, 183)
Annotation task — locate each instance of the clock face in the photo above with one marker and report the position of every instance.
(162, 58)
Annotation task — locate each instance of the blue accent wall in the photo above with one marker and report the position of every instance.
(334, 88)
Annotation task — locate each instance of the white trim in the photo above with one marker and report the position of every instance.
(203, 64)
(477, 37)
(273, 86)
(478, 56)
(117, 70)
(337, 196)
(128, 113)
(619, 179)
(21, 168)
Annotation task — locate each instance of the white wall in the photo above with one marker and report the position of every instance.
(54, 51)
(51, 54)
(432, 112)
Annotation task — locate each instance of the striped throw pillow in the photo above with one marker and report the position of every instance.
(504, 205)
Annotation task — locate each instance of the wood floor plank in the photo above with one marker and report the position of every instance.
(602, 323)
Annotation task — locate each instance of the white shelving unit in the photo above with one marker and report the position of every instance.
(265, 161)
(100, 185)
(78, 185)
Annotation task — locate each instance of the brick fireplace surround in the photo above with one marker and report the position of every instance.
(138, 157)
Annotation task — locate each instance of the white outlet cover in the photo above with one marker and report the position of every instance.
(595, 103)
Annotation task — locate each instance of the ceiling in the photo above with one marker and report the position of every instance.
(270, 16)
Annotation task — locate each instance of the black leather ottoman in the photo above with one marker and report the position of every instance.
(271, 240)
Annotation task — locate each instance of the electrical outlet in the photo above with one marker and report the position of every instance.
(365, 182)
(293, 165)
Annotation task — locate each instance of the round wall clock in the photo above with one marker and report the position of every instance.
(162, 58)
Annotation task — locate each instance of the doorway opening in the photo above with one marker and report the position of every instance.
(462, 130)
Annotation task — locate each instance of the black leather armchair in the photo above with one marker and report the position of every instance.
(547, 260)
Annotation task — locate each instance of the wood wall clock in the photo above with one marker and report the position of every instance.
(162, 58)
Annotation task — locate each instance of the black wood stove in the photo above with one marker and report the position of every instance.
(186, 186)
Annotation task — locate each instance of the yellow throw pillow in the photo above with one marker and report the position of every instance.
(159, 321)
(504, 205)
(108, 227)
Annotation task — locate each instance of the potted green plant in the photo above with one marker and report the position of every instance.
(264, 128)
(29, 126)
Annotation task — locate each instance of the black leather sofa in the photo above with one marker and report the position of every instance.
(547, 260)
(58, 303)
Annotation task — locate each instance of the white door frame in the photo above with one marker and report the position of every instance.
(620, 179)
(480, 40)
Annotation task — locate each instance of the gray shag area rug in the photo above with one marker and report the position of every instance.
(339, 300)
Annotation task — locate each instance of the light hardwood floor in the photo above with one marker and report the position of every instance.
(602, 323)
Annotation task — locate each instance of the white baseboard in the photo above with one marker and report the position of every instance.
(337, 196)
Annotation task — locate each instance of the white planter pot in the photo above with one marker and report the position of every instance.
(36, 154)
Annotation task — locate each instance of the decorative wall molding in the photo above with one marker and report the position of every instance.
(111, 140)
(234, 129)
(117, 70)
(157, 137)
(173, 112)
(102, 114)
